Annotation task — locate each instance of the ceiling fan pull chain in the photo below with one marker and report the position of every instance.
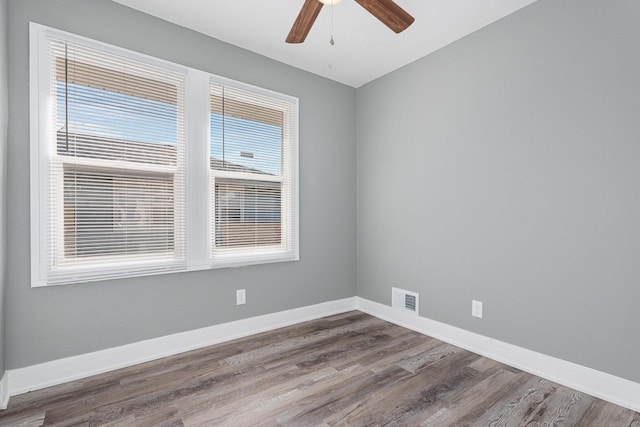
(331, 42)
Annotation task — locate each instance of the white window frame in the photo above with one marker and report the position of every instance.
(198, 175)
(289, 218)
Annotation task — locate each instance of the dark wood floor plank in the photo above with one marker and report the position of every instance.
(422, 392)
(470, 403)
(562, 407)
(402, 348)
(30, 419)
(428, 357)
(601, 413)
(253, 402)
(320, 406)
(345, 370)
(282, 400)
(519, 403)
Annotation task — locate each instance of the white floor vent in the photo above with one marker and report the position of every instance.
(404, 300)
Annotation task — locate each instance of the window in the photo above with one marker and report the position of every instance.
(249, 166)
(119, 183)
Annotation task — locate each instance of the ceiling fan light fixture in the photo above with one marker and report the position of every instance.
(330, 2)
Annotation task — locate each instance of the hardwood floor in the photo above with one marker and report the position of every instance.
(346, 370)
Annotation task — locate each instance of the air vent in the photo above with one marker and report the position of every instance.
(410, 302)
(404, 300)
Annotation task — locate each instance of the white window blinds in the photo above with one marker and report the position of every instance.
(116, 171)
(251, 162)
(140, 166)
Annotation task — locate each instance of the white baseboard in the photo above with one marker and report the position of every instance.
(599, 384)
(59, 371)
(595, 383)
(4, 390)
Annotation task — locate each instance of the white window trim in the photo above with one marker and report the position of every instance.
(197, 177)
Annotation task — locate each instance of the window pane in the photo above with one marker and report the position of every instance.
(113, 113)
(246, 132)
(109, 214)
(247, 213)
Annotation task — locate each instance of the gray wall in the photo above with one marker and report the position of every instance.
(501, 168)
(3, 169)
(54, 322)
(505, 168)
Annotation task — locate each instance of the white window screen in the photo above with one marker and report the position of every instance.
(116, 167)
(251, 162)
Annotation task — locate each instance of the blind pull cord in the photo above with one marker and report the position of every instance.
(224, 165)
(66, 95)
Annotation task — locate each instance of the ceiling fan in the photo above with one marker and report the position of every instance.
(387, 11)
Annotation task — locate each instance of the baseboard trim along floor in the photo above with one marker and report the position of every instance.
(4, 391)
(598, 384)
(590, 381)
(59, 371)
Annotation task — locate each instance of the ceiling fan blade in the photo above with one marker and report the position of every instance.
(389, 13)
(304, 21)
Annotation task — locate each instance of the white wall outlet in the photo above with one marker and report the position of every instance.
(241, 297)
(476, 308)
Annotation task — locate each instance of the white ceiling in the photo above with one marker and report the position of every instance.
(364, 48)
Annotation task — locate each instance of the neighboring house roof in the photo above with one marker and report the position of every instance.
(100, 147)
(228, 166)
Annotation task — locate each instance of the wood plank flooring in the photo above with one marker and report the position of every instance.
(346, 370)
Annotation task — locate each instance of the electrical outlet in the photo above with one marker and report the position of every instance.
(241, 297)
(476, 308)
